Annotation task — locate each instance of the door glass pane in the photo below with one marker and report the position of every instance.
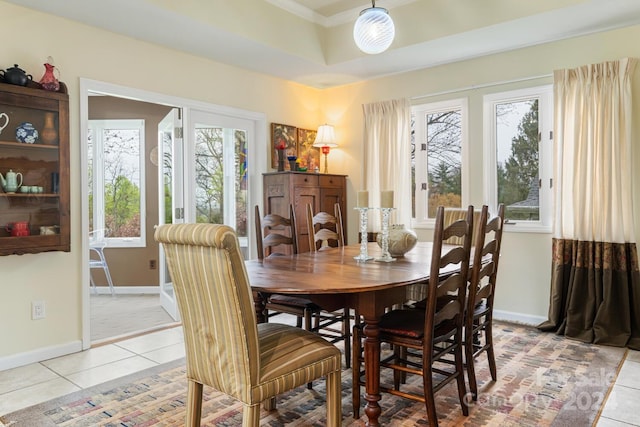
(517, 148)
(221, 199)
(444, 159)
(240, 152)
(209, 185)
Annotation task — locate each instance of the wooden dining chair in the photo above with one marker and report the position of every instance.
(326, 230)
(454, 214)
(272, 233)
(482, 286)
(422, 338)
(225, 348)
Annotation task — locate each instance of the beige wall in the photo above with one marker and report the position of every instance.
(80, 51)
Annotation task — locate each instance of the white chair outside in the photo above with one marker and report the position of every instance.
(97, 243)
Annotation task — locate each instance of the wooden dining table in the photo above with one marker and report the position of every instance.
(333, 279)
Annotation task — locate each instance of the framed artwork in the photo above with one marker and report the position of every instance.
(286, 136)
(309, 155)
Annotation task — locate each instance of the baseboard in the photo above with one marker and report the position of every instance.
(104, 290)
(525, 319)
(38, 355)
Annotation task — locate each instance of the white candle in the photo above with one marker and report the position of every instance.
(386, 199)
(363, 199)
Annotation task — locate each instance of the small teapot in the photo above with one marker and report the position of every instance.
(16, 76)
(10, 183)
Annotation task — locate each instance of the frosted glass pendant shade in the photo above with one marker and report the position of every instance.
(374, 30)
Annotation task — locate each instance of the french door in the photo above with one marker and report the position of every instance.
(203, 178)
(170, 160)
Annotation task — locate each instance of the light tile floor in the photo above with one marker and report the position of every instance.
(28, 385)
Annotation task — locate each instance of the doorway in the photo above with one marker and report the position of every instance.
(168, 193)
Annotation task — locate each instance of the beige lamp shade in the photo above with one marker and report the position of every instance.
(325, 140)
(326, 137)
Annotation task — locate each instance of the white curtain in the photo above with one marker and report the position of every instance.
(387, 157)
(593, 157)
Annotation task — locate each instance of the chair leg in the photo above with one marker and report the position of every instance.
(355, 372)
(109, 281)
(269, 404)
(251, 415)
(429, 398)
(346, 334)
(471, 371)
(93, 284)
(194, 404)
(334, 399)
(462, 389)
(488, 331)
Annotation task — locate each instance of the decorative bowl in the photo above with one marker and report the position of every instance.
(401, 240)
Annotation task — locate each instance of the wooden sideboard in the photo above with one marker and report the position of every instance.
(321, 191)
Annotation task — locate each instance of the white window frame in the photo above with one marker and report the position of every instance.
(421, 219)
(544, 94)
(97, 127)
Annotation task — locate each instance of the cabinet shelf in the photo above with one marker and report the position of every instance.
(30, 195)
(23, 146)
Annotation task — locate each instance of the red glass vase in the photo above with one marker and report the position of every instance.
(49, 81)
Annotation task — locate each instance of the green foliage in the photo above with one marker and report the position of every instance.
(521, 168)
(122, 208)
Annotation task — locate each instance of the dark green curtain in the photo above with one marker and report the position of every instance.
(595, 293)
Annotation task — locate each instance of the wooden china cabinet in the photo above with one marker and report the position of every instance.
(41, 204)
(321, 191)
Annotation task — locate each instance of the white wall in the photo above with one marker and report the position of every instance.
(80, 51)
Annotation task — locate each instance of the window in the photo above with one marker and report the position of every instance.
(519, 155)
(116, 177)
(438, 147)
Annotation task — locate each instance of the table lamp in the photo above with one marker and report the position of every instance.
(325, 140)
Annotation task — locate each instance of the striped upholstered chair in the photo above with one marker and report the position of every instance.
(225, 347)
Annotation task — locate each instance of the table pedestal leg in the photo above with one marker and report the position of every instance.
(259, 302)
(372, 369)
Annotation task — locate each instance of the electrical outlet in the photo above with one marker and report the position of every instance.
(37, 310)
(152, 264)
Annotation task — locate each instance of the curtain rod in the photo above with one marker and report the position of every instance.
(462, 89)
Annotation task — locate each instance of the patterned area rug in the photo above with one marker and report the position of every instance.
(543, 380)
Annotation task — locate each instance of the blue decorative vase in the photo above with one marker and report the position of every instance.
(26, 133)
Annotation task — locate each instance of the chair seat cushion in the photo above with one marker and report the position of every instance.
(290, 357)
(292, 301)
(410, 324)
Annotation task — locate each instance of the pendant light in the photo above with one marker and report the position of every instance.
(374, 30)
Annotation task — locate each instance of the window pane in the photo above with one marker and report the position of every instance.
(167, 175)
(209, 191)
(122, 181)
(444, 154)
(517, 148)
(241, 182)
